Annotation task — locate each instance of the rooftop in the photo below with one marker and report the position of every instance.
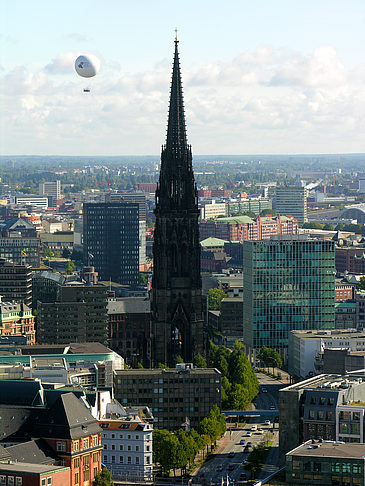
(329, 449)
(330, 382)
(330, 333)
(131, 305)
(27, 467)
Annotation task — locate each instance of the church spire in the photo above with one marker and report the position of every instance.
(176, 141)
(176, 189)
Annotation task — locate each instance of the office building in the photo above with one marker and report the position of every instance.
(140, 199)
(31, 200)
(78, 315)
(310, 409)
(326, 463)
(240, 228)
(251, 204)
(15, 282)
(231, 320)
(288, 284)
(52, 190)
(111, 240)
(175, 396)
(176, 283)
(306, 348)
(292, 200)
(350, 259)
(25, 251)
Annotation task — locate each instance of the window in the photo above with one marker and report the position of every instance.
(76, 445)
(44, 480)
(129, 448)
(121, 447)
(121, 459)
(113, 447)
(86, 475)
(356, 468)
(113, 458)
(61, 447)
(86, 460)
(95, 457)
(77, 462)
(2, 479)
(105, 446)
(18, 481)
(86, 443)
(129, 460)
(137, 448)
(76, 478)
(49, 481)
(95, 440)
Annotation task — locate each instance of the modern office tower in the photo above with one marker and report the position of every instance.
(288, 284)
(176, 396)
(176, 284)
(52, 190)
(111, 232)
(362, 184)
(15, 282)
(78, 315)
(292, 200)
(140, 199)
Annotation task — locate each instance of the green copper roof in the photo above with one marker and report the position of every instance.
(213, 242)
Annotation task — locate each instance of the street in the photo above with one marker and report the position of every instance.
(229, 460)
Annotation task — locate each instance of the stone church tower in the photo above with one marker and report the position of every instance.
(177, 321)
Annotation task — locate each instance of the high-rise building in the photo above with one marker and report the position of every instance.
(288, 284)
(111, 233)
(79, 315)
(15, 282)
(140, 199)
(176, 284)
(292, 200)
(52, 190)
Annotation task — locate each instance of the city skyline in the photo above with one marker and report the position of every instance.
(273, 78)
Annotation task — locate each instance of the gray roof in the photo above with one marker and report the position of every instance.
(132, 305)
(33, 451)
(27, 467)
(329, 449)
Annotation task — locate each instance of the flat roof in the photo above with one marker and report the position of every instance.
(329, 333)
(330, 382)
(28, 467)
(171, 371)
(329, 449)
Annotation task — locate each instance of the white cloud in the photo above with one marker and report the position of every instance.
(264, 101)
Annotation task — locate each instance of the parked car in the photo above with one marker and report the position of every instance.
(243, 477)
(219, 468)
(230, 467)
(272, 407)
(267, 422)
(254, 428)
(242, 441)
(264, 390)
(248, 434)
(249, 443)
(231, 454)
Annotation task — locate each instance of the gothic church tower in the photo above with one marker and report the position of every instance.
(177, 323)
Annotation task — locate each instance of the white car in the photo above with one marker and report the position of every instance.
(249, 434)
(267, 422)
(254, 428)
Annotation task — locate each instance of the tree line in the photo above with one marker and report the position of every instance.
(177, 450)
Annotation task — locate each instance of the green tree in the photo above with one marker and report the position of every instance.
(256, 459)
(313, 225)
(215, 297)
(328, 227)
(140, 366)
(166, 450)
(268, 212)
(47, 253)
(76, 255)
(143, 278)
(199, 361)
(270, 357)
(103, 478)
(361, 284)
(69, 268)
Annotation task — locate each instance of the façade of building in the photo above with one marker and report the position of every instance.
(176, 284)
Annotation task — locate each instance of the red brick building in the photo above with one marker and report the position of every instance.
(351, 259)
(343, 291)
(28, 474)
(16, 319)
(239, 228)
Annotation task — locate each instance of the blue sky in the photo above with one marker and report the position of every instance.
(259, 77)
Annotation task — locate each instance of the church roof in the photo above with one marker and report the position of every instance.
(212, 242)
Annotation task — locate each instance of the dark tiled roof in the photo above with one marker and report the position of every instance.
(67, 418)
(33, 451)
(4, 453)
(12, 420)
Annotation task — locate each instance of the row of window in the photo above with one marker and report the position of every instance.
(129, 460)
(113, 447)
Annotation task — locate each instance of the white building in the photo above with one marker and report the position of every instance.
(127, 440)
(211, 209)
(306, 346)
(51, 189)
(31, 200)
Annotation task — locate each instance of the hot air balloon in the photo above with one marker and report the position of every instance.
(87, 66)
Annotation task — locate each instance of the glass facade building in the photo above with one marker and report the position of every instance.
(288, 284)
(111, 241)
